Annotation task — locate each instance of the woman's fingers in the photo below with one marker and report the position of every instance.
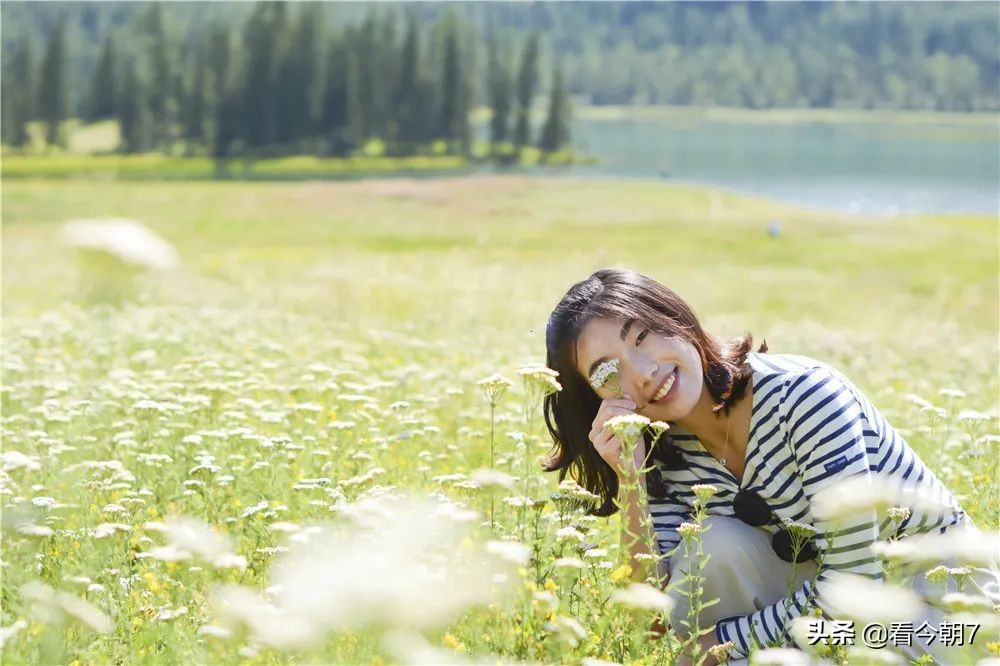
(610, 408)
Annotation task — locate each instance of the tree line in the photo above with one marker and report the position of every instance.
(285, 83)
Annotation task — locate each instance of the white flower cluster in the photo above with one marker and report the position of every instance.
(540, 377)
(494, 387)
(627, 426)
(604, 373)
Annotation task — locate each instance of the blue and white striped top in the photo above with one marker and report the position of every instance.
(809, 427)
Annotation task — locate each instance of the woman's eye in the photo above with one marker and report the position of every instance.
(641, 336)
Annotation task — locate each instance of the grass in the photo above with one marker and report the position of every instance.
(295, 295)
(90, 152)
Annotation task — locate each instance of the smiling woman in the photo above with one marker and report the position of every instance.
(770, 433)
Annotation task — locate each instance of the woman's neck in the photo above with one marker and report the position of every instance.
(710, 427)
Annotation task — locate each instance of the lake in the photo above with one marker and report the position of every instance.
(857, 167)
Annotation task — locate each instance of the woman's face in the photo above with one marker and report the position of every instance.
(647, 363)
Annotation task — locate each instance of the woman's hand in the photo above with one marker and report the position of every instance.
(608, 446)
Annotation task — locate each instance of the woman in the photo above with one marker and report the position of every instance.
(768, 431)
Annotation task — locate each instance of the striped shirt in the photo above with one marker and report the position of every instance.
(809, 427)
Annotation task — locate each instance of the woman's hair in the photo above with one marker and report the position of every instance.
(622, 295)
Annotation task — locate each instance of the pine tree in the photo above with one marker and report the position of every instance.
(218, 54)
(103, 99)
(409, 94)
(18, 96)
(333, 116)
(194, 97)
(366, 47)
(306, 99)
(133, 113)
(160, 89)
(555, 133)
(499, 95)
(53, 93)
(453, 123)
(386, 79)
(527, 79)
(356, 131)
(262, 39)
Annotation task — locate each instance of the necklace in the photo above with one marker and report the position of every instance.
(729, 422)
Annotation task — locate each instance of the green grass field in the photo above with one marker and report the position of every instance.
(336, 331)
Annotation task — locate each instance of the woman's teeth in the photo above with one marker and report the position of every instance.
(666, 387)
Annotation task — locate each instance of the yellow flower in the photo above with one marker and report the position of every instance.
(450, 642)
(551, 585)
(153, 584)
(621, 573)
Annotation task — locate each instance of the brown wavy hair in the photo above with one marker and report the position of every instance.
(621, 295)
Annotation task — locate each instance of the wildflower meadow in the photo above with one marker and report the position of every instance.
(272, 423)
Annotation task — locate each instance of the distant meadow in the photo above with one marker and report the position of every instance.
(257, 422)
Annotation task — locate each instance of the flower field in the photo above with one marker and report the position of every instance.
(313, 435)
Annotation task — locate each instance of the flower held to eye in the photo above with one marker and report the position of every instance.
(604, 373)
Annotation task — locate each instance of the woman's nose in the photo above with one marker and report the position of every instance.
(643, 374)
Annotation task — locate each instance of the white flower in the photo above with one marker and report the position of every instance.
(604, 372)
(540, 377)
(972, 416)
(957, 602)
(569, 563)
(859, 494)
(627, 426)
(899, 513)
(574, 489)
(867, 600)
(400, 565)
(409, 647)
(494, 387)
(779, 657)
(643, 596)
(510, 551)
(214, 631)
(569, 533)
(962, 544)
(688, 530)
(861, 654)
(12, 460)
(108, 529)
(54, 606)
(166, 613)
(8, 633)
(704, 490)
(126, 240)
(490, 478)
(952, 392)
(188, 538)
(568, 628)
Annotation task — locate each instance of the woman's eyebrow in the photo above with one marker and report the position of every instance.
(622, 334)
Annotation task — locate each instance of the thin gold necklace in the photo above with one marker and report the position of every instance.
(729, 422)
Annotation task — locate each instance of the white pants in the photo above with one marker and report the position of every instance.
(746, 575)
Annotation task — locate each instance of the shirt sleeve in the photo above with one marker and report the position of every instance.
(824, 428)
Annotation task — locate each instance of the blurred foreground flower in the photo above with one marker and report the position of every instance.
(400, 564)
(965, 545)
(53, 606)
(645, 597)
(867, 600)
(779, 657)
(188, 538)
(858, 494)
(126, 240)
